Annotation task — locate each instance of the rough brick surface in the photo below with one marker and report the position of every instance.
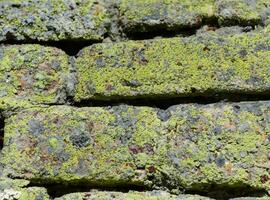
(67, 133)
(11, 189)
(143, 16)
(54, 20)
(33, 74)
(172, 15)
(204, 65)
(243, 12)
(191, 147)
(155, 195)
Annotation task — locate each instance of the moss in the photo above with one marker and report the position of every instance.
(197, 147)
(53, 21)
(175, 67)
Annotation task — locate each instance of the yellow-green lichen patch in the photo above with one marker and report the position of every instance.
(175, 67)
(242, 12)
(95, 145)
(153, 195)
(142, 16)
(224, 144)
(32, 74)
(173, 15)
(53, 20)
(190, 147)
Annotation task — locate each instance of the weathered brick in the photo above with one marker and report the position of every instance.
(206, 64)
(242, 12)
(53, 20)
(143, 16)
(195, 147)
(33, 74)
(17, 190)
(154, 195)
(172, 15)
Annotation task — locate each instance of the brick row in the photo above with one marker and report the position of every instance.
(187, 147)
(95, 20)
(208, 64)
(171, 15)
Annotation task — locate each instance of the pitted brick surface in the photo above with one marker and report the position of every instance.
(67, 133)
(33, 74)
(187, 146)
(206, 65)
(54, 20)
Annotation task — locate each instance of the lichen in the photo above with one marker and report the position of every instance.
(141, 16)
(32, 74)
(153, 195)
(53, 20)
(175, 67)
(197, 147)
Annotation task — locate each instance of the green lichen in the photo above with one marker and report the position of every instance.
(32, 74)
(140, 16)
(53, 20)
(196, 148)
(231, 12)
(154, 195)
(172, 15)
(17, 189)
(175, 67)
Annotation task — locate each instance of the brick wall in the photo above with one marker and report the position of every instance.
(125, 99)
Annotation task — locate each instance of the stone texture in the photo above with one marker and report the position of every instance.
(172, 15)
(144, 16)
(207, 64)
(33, 74)
(154, 195)
(54, 20)
(187, 147)
(16, 190)
(243, 12)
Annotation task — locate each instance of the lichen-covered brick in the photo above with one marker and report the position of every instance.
(33, 74)
(53, 20)
(203, 65)
(197, 147)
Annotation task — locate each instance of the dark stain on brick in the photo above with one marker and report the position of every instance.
(264, 178)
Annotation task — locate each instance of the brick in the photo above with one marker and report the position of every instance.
(174, 15)
(17, 190)
(53, 20)
(154, 195)
(144, 16)
(33, 74)
(187, 147)
(242, 12)
(203, 65)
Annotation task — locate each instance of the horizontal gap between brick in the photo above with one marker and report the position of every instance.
(219, 192)
(72, 47)
(164, 103)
